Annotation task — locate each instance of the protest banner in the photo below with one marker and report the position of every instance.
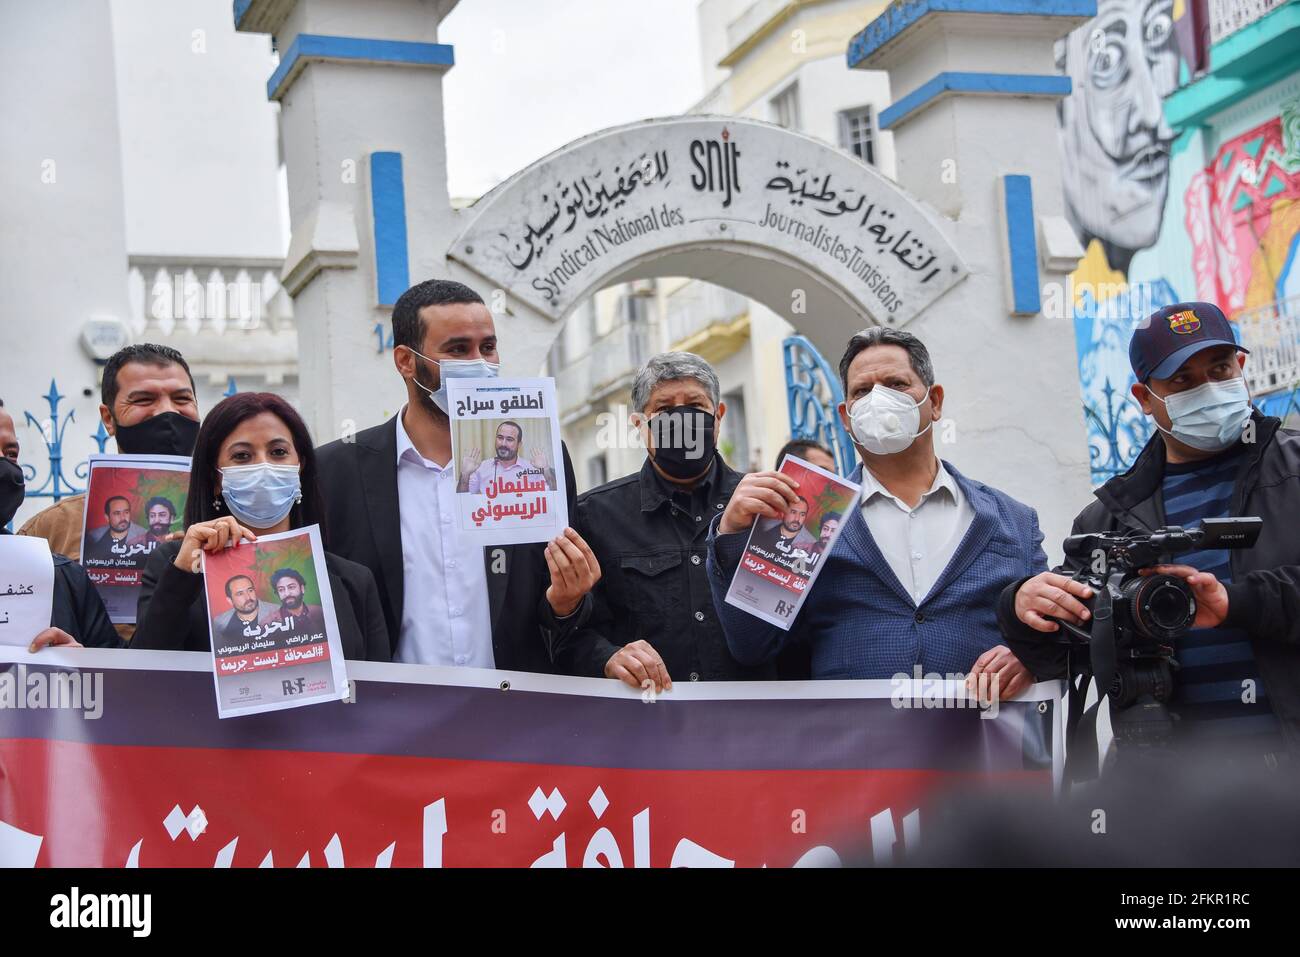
(26, 588)
(464, 767)
(783, 556)
(132, 503)
(505, 440)
(275, 637)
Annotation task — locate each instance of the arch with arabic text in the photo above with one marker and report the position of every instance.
(804, 228)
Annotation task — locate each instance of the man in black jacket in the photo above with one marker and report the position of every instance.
(1212, 456)
(390, 498)
(653, 620)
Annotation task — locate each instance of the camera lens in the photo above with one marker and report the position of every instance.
(1160, 606)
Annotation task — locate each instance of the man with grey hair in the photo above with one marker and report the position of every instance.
(914, 578)
(653, 620)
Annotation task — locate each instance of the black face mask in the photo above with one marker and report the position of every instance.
(684, 439)
(12, 489)
(167, 434)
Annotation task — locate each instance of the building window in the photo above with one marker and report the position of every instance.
(597, 474)
(785, 107)
(857, 134)
(734, 443)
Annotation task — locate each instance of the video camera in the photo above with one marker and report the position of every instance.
(1136, 618)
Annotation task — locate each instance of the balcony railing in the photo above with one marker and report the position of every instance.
(1229, 16)
(608, 366)
(1272, 334)
(697, 305)
(746, 25)
(173, 294)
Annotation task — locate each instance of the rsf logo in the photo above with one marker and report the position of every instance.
(293, 686)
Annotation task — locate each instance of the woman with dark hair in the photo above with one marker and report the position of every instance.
(253, 473)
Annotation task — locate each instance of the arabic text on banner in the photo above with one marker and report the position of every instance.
(440, 767)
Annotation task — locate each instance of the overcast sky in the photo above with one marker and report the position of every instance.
(531, 75)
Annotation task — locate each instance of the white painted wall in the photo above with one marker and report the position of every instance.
(200, 147)
(63, 246)
(155, 117)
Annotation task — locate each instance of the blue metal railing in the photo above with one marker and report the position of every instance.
(57, 485)
(813, 395)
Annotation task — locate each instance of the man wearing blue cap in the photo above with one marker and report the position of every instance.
(1212, 456)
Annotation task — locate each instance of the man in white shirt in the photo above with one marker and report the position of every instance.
(446, 601)
(913, 579)
(917, 540)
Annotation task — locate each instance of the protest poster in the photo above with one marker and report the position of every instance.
(26, 588)
(505, 444)
(784, 555)
(275, 636)
(133, 502)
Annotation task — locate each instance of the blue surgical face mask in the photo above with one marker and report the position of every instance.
(259, 496)
(1210, 417)
(456, 369)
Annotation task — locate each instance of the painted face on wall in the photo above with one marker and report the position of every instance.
(1114, 138)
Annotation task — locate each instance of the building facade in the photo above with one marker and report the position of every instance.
(144, 202)
(782, 62)
(1180, 143)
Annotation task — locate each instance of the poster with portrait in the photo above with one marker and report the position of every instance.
(133, 502)
(26, 588)
(275, 636)
(505, 446)
(784, 555)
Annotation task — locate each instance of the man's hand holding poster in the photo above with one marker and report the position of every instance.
(784, 555)
(505, 441)
(133, 502)
(275, 637)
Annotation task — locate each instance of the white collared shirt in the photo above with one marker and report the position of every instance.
(917, 542)
(445, 614)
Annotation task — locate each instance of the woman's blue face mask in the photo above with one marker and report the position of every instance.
(260, 496)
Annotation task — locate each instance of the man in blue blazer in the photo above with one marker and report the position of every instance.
(915, 576)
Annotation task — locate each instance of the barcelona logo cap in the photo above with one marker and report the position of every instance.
(1173, 334)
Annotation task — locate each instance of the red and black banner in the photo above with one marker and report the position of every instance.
(115, 758)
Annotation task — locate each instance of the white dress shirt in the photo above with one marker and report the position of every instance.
(445, 615)
(917, 542)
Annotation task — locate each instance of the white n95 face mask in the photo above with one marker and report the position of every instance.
(1211, 416)
(885, 420)
(456, 369)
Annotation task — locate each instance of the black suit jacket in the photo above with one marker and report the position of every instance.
(172, 614)
(359, 482)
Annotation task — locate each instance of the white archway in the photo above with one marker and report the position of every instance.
(775, 215)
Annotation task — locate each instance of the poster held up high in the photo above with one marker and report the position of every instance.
(505, 444)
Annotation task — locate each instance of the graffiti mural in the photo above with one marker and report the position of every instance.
(1164, 214)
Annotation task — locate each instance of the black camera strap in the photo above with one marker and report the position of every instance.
(1080, 725)
(1081, 759)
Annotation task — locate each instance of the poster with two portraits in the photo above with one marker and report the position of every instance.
(133, 502)
(783, 556)
(275, 634)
